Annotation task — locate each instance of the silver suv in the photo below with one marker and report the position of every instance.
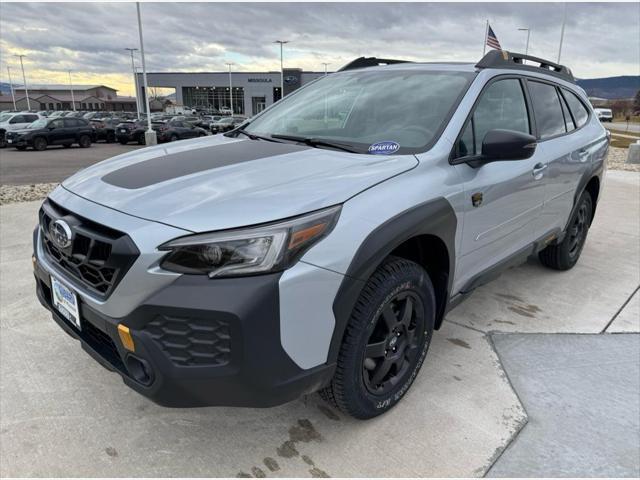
(318, 246)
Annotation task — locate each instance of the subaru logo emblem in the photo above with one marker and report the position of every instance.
(60, 233)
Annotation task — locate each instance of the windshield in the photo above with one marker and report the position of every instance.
(5, 117)
(405, 108)
(38, 123)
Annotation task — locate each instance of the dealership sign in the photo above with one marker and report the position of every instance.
(259, 80)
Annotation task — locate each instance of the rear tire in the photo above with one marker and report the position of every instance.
(84, 141)
(385, 342)
(40, 144)
(564, 255)
(111, 138)
(173, 138)
(141, 139)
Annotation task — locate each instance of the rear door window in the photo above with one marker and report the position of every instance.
(580, 112)
(547, 109)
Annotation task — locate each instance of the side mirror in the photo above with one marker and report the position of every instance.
(501, 145)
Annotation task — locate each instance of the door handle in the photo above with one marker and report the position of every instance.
(538, 170)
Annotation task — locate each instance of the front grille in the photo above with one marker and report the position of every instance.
(192, 341)
(98, 256)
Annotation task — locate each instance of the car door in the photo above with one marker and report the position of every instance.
(502, 199)
(69, 133)
(56, 132)
(559, 115)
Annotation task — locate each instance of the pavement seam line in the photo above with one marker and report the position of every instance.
(466, 326)
(516, 434)
(604, 330)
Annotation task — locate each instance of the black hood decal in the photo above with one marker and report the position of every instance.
(180, 164)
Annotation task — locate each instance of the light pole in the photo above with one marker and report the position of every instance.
(150, 137)
(325, 67)
(24, 80)
(564, 21)
(230, 88)
(73, 100)
(526, 51)
(135, 79)
(281, 42)
(13, 95)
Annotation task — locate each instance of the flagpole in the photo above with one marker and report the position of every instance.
(484, 44)
(564, 21)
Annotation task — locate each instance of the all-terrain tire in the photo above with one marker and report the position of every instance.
(84, 141)
(39, 144)
(350, 389)
(564, 255)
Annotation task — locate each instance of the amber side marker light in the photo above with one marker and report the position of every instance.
(34, 262)
(125, 338)
(302, 236)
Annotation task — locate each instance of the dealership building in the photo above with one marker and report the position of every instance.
(252, 91)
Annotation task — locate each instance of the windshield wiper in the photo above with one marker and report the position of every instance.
(317, 142)
(253, 136)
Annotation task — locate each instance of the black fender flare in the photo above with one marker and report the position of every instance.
(435, 217)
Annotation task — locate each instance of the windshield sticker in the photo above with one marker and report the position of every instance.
(384, 148)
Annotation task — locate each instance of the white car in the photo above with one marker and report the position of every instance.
(15, 121)
(604, 114)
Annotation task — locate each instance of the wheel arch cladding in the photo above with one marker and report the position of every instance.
(593, 187)
(424, 234)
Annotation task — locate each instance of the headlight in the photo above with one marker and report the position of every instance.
(249, 251)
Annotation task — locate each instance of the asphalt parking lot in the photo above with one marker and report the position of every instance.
(77, 419)
(53, 164)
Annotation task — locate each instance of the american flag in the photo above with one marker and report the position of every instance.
(492, 40)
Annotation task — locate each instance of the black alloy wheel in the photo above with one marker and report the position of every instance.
(394, 343)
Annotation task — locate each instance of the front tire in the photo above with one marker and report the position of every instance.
(386, 340)
(564, 255)
(39, 144)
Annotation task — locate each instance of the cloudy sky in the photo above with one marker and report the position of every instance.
(601, 39)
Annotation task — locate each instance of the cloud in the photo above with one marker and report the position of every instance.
(89, 38)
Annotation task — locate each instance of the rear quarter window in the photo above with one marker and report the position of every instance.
(580, 112)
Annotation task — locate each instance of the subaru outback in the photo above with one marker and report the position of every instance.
(319, 245)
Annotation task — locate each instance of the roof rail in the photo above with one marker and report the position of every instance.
(364, 62)
(504, 59)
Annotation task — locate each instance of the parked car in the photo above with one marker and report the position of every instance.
(131, 131)
(226, 124)
(57, 131)
(105, 129)
(604, 114)
(15, 121)
(58, 113)
(319, 247)
(177, 130)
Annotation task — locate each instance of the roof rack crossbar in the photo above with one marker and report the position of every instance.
(364, 62)
(504, 59)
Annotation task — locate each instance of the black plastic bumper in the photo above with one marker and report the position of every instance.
(204, 343)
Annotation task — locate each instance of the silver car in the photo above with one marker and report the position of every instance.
(320, 246)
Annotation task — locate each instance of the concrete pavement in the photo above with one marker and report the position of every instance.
(64, 415)
(582, 396)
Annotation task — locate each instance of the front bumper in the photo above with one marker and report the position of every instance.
(203, 342)
(17, 141)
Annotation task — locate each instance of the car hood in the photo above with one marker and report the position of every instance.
(219, 183)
